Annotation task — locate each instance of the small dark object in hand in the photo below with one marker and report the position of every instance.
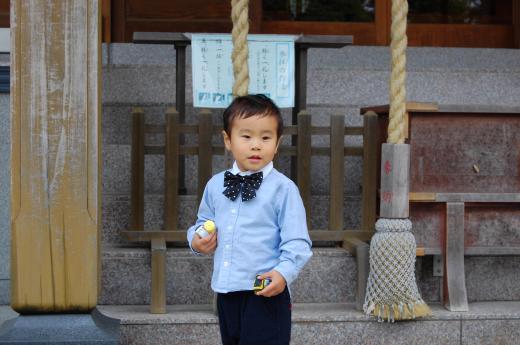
(260, 284)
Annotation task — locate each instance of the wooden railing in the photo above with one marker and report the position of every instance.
(353, 240)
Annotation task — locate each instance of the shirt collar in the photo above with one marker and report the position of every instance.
(265, 170)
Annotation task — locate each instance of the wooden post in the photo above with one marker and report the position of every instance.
(337, 171)
(55, 165)
(171, 170)
(205, 150)
(455, 281)
(370, 143)
(137, 168)
(395, 168)
(158, 249)
(304, 160)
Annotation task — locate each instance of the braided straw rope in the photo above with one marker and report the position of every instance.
(398, 75)
(240, 18)
(392, 292)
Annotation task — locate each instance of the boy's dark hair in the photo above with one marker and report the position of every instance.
(251, 105)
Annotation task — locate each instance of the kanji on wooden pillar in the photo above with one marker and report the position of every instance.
(55, 164)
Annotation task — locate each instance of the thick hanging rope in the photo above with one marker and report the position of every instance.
(398, 45)
(392, 292)
(240, 18)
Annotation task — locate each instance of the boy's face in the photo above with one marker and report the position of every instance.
(253, 141)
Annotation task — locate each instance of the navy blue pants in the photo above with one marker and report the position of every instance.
(247, 319)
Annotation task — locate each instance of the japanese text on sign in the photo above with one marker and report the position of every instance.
(271, 69)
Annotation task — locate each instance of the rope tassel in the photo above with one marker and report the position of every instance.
(392, 292)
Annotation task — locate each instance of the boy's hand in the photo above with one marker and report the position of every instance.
(276, 286)
(204, 245)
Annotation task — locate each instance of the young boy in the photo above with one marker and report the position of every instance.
(261, 228)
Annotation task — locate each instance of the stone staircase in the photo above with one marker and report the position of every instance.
(324, 295)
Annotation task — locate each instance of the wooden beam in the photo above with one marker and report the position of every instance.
(55, 155)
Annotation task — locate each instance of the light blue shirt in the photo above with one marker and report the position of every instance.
(256, 236)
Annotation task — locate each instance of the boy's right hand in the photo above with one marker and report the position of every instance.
(204, 245)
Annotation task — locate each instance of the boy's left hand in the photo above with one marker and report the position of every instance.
(276, 286)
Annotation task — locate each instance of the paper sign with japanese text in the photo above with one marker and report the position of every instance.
(271, 69)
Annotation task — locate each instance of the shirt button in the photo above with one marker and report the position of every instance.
(233, 210)
(226, 264)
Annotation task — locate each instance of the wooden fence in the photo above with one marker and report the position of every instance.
(353, 240)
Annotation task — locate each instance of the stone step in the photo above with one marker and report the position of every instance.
(329, 277)
(326, 323)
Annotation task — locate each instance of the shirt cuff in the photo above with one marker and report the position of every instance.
(286, 269)
(191, 248)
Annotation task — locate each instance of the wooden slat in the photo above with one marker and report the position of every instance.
(154, 150)
(180, 235)
(205, 151)
(369, 197)
(137, 175)
(154, 129)
(347, 151)
(325, 130)
(189, 150)
(353, 151)
(337, 171)
(478, 197)
(492, 251)
(304, 160)
(188, 129)
(422, 197)
(395, 165)
(158, 281)
(171, 169)
(456, 298)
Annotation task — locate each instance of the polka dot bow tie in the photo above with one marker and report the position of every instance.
(247, 184)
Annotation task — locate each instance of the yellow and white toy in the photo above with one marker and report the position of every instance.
(206, 229)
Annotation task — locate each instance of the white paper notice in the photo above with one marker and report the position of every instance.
(271, 69)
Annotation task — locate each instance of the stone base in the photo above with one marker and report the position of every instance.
(62, 329)
(331, 323)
